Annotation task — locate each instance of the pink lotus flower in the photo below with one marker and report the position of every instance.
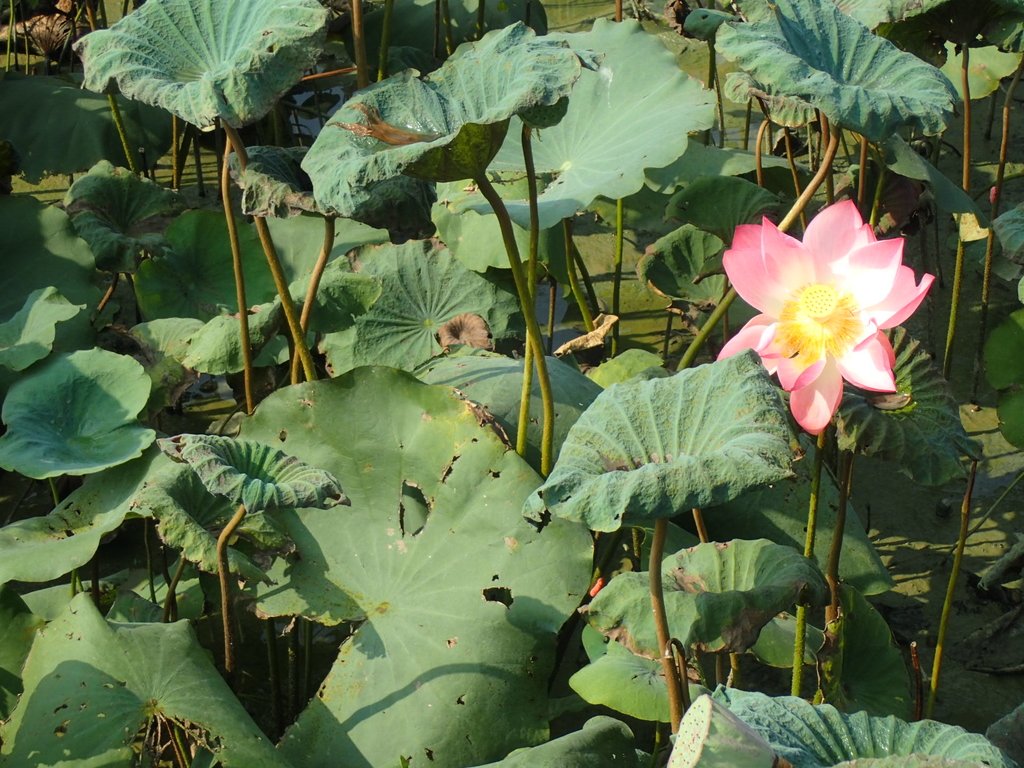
(824, 305)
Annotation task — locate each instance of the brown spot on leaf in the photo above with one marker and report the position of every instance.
(468, 329)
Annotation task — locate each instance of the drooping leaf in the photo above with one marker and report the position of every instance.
(91, 686)
(648, 449)
(85, 132)
(18, 627)
(602, 741)
(120, 215)
(783, 109)
(678, 266)
(718, 204)
(632, 363)
(871, 13)
(496, 383)
(813, 51)
(216, 347)
(1009, 228)
(423, 287)
(859, 667)
(28, 335)
(273, 183)
(987, 67)
(821, 736)
(718, 596)
(599, 148)
(922, 435)
(445, 560)
(444, 127)
(230, 59)
(901, 158)
(75, 415)
(163, 345)
(703, 160)
(257, 476)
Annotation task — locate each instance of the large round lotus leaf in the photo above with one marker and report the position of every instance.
(987, 68)
(47, 547)
(75, 415)
(718, 204)
(120, 214)
(18, 626)
(718, 596)
(908, 761)
(28, 335)
(85, 132)
(444, 127)
(918, 428)
(496, 384)
(681, 265)
(648, 449)
(423, 287)
(462, 598)
(599, 147)
(259, 477)
(821, 736)
(779, 512)
(859, 666)
(230, 59)
(815, 52)
(91, 686)
(603, 741)
(901, 158)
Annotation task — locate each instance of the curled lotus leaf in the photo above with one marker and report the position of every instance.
(443, 127)
(602, 741)
(120, 214)
(680, 266)
(28, 336)
(718, 596)
(230, 59)
(784, 110)
(812, 51)
(647, 449)
(75, 415)
(273, 183)
(918, 427)
(261, 478)
(710, 736)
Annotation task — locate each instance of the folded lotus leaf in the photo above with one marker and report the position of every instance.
(811, 50)
(901, 158)
(784, 110)
(204, 59)
(28, 336)
(444, 127)
(679, 266)
(602, 741)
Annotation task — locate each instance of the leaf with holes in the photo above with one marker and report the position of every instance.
(433, 550)
(28, 335)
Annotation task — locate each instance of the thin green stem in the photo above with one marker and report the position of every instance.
(812, 524)
(954, 306)
(834, 553)
(793, 171)
(531, 284)
(533, 335)
(481, 17)
(170, 601)
(947, 604)
(574, 283)
(314, 285)
(876, 202)
(668, 663)
(862, 175)
(359, 44)
(385, 40)
(617, 274)
(11, 26)
(224, 575)
(236, 263)
(446, 20)
(115, 112)
(746, 124)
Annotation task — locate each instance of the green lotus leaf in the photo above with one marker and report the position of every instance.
(98, 684)
(163, 344)
(703, 23)
(860, 667)
(75, 415)
(259, 477)
(907, 761)
(779, 512)
(1007, 733)
(871, 13)
(702, 160)
(444, 127)
(633, 363)
(85, 132)
(227, 59)
(496, 383)
(783, 109)
(43, 548)
(602, 741)
(120, 215)
(811, 50)
(648, 449)
(1006, 31)
(1004, 368)
(216, 348)
(18, 627)
(597, 148)
(901, 158)
(821, 736)
(620, 680)
(1011, 415)
(434, 550)
(423, 287)
(679, 266)
(719, 204)
(273, 183)
(341, 297)
(922, 435)
(718, 596)
(1009, 228)
(988, 67)
(774, 645)
(710, 736)
(28, 336)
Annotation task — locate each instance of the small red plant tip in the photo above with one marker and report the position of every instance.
(598, 586)
(993, 195)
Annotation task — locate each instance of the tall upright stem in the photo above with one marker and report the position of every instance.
(832, 568)
(385, 40)
(115, 112)
(236, 264)
(531, 285)
(533, 336)
(224, 575)
(812, 524)
(574, 283)
(314, 285)
(862, 174)
(617, 273)
(359, 44)
(668, 663)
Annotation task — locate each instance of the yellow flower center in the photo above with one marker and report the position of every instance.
(818, 320)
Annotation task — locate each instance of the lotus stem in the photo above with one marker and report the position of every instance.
(965, 183)
(223, 574)
(385, 40)
(108, 294)
(115, 112)
(481, 10)
(702, 529)
(862, 174)
(178, 744)
(574, 283)
(876, 203)
(588, 283)
(446, 21)
(812, 524)
(668, 333)
(552, 298)
(11, 25)
(617, 274)
(829, 134)
(793, 171)
(359, 45)
(236, 263)
(668, 663)
(679, 654)
(170, 601)
(997, 193)
(298, 337)
(618, 10)
(832, 568)
(292, 651)
(274, 674)
(314, 285)
(531, 286)
(533, 336)
(915, 664)
(758, 167)
(746, 124)
(705, 330)
(947, 604)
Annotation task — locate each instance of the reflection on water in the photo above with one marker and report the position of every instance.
(572, 15)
